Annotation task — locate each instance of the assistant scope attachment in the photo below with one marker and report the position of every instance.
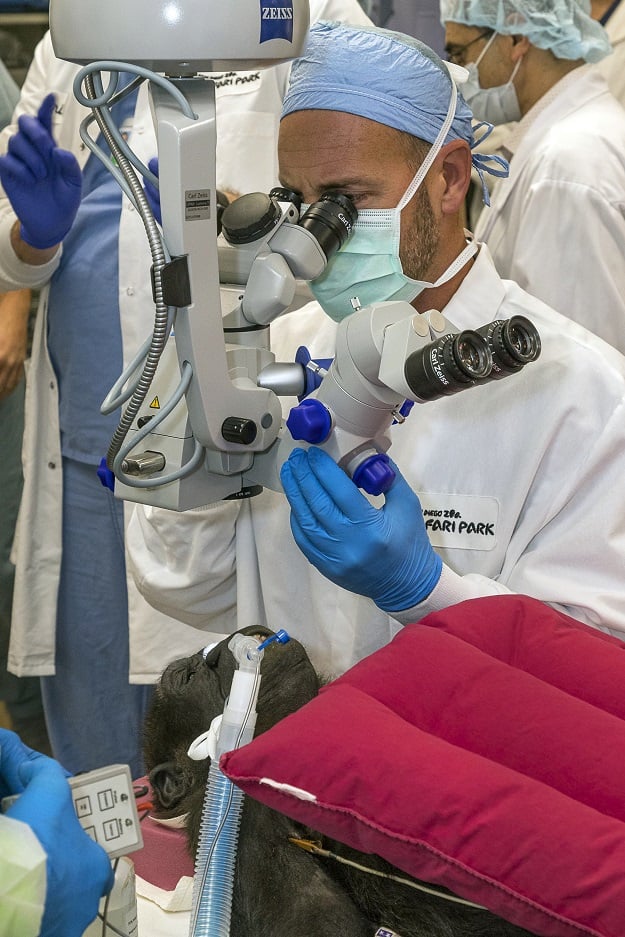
(454, 362)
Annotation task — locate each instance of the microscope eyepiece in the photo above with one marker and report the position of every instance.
(330, 221)
(282, 194)
(513, 343)
(457, 361)
(447, 365)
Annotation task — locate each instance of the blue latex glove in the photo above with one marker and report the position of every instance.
(383, 553)
(42, 181)
(151, 192)
(78, 870)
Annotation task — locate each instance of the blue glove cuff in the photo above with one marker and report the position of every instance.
(423, 587)
(40, 243)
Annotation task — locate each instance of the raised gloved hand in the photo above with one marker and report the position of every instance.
(383, 553)
(78, 870)
(42, 181)
(151, 192)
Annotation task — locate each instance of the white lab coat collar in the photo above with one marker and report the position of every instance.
(564, 97)
(481, 289)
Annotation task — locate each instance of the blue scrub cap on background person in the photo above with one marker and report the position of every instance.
(565, 27)
(387, 77)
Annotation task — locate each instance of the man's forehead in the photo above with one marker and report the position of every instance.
(323, 136)
(457, 34)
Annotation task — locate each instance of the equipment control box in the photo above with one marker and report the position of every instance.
(106, 808)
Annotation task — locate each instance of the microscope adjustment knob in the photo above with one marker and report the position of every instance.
(249, 218)
(375, 475)
(239, 429)
(310, 420)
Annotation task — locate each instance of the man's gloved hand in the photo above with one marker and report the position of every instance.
(383, 553)
(151, 192)
(78, 870)
(42, 181)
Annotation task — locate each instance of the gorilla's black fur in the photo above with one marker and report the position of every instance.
(280, 890)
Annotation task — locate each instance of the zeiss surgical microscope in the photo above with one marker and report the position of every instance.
(221, 275)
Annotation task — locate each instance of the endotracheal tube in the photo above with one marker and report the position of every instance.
(221, 814)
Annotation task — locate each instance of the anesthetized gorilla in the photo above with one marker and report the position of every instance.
(280, 890)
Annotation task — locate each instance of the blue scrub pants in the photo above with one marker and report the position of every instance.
(94, 714)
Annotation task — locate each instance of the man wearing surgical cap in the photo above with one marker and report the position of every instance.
(514, 486)
(557, 225)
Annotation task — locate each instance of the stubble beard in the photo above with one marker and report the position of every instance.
(420, 246)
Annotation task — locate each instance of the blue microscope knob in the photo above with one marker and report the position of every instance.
(375, 475)
(310, 420)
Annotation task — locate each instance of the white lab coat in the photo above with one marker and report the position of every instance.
(247, 120)
(613, 66)
(557, 225)
(537, 459)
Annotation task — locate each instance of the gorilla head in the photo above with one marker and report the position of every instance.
(190, 694)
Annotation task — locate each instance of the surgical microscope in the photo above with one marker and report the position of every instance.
(201, 415)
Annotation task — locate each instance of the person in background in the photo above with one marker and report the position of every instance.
(72, 597)
(531, 61)
(52, 874)
(510, 487)
(611, 15)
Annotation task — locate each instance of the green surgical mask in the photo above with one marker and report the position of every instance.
(368, 265)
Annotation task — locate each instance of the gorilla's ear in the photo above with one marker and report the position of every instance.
(170, 784)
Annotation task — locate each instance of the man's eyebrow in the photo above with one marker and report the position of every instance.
(339, 184)
(335, 185)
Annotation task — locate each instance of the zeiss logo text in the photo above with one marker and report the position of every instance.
(277, 13)
(276, 20)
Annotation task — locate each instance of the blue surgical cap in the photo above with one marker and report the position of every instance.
(385, 76)
(565, 27)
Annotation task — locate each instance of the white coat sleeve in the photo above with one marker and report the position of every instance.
(22, 879)
(184, 564)
(574, 561)
(450, 590)
(595, 231)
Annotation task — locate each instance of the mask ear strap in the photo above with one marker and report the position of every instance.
(486, 48)
(433, 151)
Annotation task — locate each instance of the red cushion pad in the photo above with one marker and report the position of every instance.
(534, 637)
(466, 771)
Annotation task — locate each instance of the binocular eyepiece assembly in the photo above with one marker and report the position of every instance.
(253, 217)
(454, 362)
